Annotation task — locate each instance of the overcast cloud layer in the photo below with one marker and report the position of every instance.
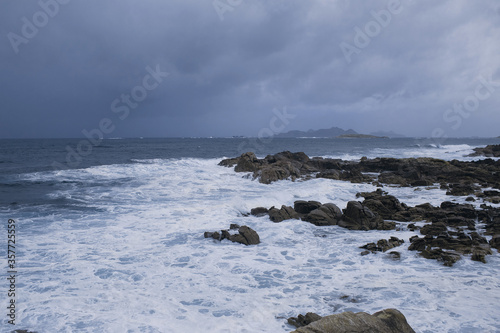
(231, 62)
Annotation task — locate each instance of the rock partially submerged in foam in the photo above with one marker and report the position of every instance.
(245, 235)
(385, 321)
(355, 216)
(449, 233)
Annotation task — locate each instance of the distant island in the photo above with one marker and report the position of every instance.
(321, 133)
(336, 132)
(362, 136)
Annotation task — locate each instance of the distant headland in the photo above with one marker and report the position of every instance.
(336, 132)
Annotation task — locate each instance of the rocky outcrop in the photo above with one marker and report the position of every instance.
(385, 321)
(450, 233)
(327, 214)
(245, 235)
(282, 214)
(433, 246)
(355, 216)
(488, 151)
(359, 217)
(405, 172)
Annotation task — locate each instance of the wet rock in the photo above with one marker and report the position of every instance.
(495, 242)
(214, 235)
(392, 178)
(284, 213)
(381, 203)
(383, 244)
(329, 174)
(433, 229)
(492, 193)
(488, 151)
(431, 247)
(479, 253)
(413, 227)
(259, 211)
(302, 320)
(462, 189)
(245, 235)
(359, 217)
(272, 173)
(247, 162)
(448, 258)
(305, 207)
(385, 321)
(327, 214)
(395, 255)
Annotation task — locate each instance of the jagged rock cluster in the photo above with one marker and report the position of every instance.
(458, 176)
(245, 235)
(354, 217)
(450, 233)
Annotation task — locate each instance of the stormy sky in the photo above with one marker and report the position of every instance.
(177, 68)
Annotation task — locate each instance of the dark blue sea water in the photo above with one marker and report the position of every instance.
(110, 239)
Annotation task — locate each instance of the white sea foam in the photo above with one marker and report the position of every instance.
(142, 265)
(445, 152)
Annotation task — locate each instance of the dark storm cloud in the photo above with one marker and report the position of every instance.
(226, 76)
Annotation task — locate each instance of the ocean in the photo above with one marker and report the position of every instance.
(109, 238)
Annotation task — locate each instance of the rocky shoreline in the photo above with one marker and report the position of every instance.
(457, 177)
(450, 231)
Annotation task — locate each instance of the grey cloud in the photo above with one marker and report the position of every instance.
(227, 76)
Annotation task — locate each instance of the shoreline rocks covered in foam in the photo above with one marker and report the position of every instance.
(458, 176)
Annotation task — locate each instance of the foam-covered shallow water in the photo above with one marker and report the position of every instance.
(120, 248)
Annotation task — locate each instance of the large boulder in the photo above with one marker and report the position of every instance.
(278, 171)
(259, 211)
(387, 206)
(284, 213)
(327, 214)
(305, 207)
(359, 217)
(385, 321)
(247, 162)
